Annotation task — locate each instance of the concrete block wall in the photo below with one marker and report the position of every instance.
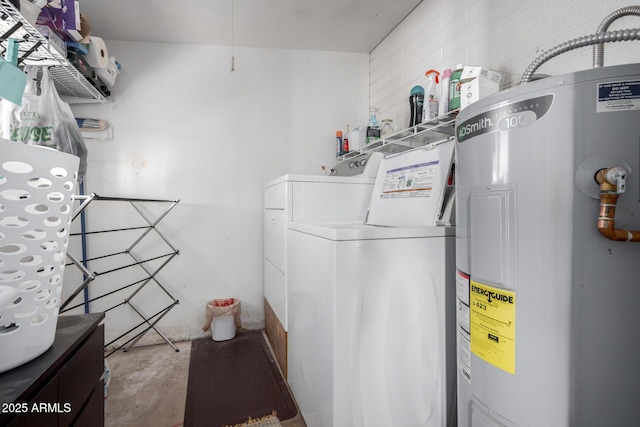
(504, 35)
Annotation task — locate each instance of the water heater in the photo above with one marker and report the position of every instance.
(548, 267)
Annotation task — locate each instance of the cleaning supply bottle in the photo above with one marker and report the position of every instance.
(430, 111)
(373, 130)
(416, 104)
(454, 88)
(443, 101)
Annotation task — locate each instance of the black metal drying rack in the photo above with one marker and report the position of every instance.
(149, 321)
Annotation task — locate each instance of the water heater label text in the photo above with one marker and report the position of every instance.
(492, 321)
(618, 96)
(505, 118)
(492, 295)
(474, 128)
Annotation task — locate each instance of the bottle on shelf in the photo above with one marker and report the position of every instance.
(416, 104)
(454, 88)
(443, 105)
(338, 143)
(387, 128)
(373, 129)
(430, 111)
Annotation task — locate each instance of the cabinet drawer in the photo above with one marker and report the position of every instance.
(275, 196)
(275, 238)
(79, 376)
(275, 291)
(92, 414)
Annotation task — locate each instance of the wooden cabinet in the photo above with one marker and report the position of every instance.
(62, 387)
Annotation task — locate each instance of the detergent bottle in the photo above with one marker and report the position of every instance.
(430, 111)
(454, 88)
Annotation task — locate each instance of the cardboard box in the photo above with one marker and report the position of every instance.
(476, 83)
(70, 13)
(65, 20)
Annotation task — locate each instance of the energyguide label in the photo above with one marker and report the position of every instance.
(493, 325)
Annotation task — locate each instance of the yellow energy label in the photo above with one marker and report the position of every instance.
(493, 325)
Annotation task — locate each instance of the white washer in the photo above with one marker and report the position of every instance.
(371, 321)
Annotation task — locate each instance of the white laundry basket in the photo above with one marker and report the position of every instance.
(36, 195)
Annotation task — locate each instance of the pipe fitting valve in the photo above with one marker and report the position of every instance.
(612, 180)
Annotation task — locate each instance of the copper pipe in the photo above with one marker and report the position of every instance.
(606, 219)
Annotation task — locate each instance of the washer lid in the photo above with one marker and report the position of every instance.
(410, 187)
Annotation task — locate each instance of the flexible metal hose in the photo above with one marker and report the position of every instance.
(598, 50)
(607, 37)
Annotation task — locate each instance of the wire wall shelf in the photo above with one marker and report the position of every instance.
(35, 49)
(438, 129)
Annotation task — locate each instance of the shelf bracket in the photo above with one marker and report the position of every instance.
(33, 48)
(11, 30)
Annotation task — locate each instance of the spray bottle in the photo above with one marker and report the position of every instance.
(443, 101)
(454, 88)
(430, 111)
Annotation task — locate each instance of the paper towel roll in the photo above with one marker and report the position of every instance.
(98, 56)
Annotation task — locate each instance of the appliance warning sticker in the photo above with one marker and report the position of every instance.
(618, 96)
(493, 325)
(410, 181)
(462, 321)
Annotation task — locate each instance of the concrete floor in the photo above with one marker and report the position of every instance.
(148, 387)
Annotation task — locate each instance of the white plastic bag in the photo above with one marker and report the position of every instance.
(43, 119)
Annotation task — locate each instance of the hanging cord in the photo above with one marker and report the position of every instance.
(233, 58)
